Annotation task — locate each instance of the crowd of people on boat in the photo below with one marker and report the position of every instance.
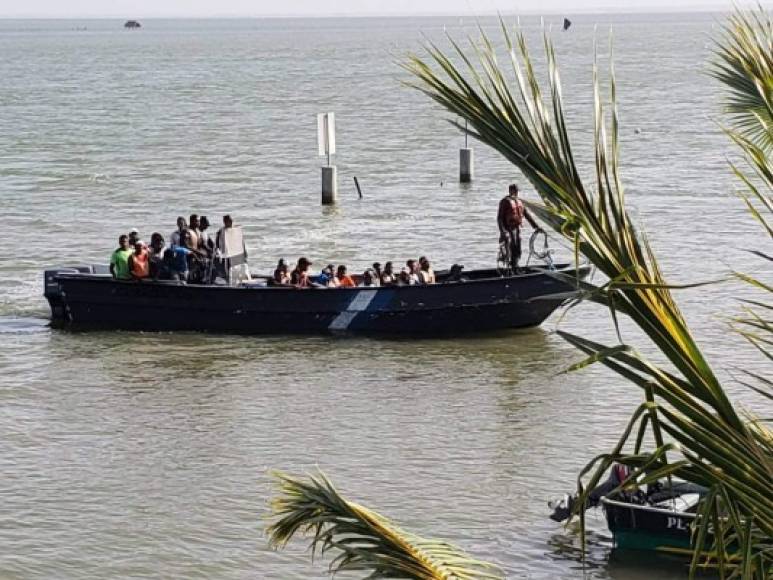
(191, 255)
(194, 256)
(331, 276)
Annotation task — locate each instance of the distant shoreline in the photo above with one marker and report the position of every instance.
(708, 9)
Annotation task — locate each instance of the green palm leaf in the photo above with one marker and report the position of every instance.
(745, 65)
(361, 539)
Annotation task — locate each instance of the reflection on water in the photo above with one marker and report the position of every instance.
(136, 454)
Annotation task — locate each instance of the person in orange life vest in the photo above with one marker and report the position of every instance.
(509, 219)
(139, 261)
(343, 279)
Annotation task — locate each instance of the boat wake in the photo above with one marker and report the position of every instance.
(23, 325)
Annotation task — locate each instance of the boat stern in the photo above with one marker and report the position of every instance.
(53, 291)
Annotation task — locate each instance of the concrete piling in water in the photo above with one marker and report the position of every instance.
(326, 145)
(466, 165)
(329, 184)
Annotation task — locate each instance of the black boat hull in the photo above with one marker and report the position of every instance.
(90, 301)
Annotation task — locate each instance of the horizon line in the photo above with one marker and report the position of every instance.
(708, 8)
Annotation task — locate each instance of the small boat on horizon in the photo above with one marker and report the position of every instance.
(85, 297)
(132, 24)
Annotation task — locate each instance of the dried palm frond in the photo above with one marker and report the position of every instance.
(362, 539)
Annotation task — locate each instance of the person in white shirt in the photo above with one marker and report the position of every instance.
(177, 237)
(426, 273)
(413, 272)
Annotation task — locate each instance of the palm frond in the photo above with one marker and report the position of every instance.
(697, 433)
(361, 539)
(745, 66)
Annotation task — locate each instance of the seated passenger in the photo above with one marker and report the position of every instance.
(156, 255)
(377, 270)
(139, 262)
(404, 278)
(326, 277)
(426, 273)
(331, 270)
(300, 276)
(119, 260)
(281, 275)
(176, 262)
(369, 278)
(388, 275)
(343, 280)
(456, 274)
(413, 272)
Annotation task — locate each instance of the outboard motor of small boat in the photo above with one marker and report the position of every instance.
(562, 507)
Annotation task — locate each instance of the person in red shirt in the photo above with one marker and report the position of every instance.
(510, 218)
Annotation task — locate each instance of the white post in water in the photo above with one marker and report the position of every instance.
(326, 144)
(466, 161)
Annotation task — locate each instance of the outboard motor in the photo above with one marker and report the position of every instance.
(563, 507)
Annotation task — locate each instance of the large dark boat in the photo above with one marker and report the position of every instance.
(87, 297)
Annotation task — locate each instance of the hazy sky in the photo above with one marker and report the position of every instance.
(203, 8)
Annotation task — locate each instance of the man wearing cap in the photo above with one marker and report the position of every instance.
(300, 276)
(134, 237)
(509, 219)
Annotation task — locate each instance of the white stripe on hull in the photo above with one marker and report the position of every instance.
(359, 303)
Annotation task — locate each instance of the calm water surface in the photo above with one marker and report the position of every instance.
(146, 455)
